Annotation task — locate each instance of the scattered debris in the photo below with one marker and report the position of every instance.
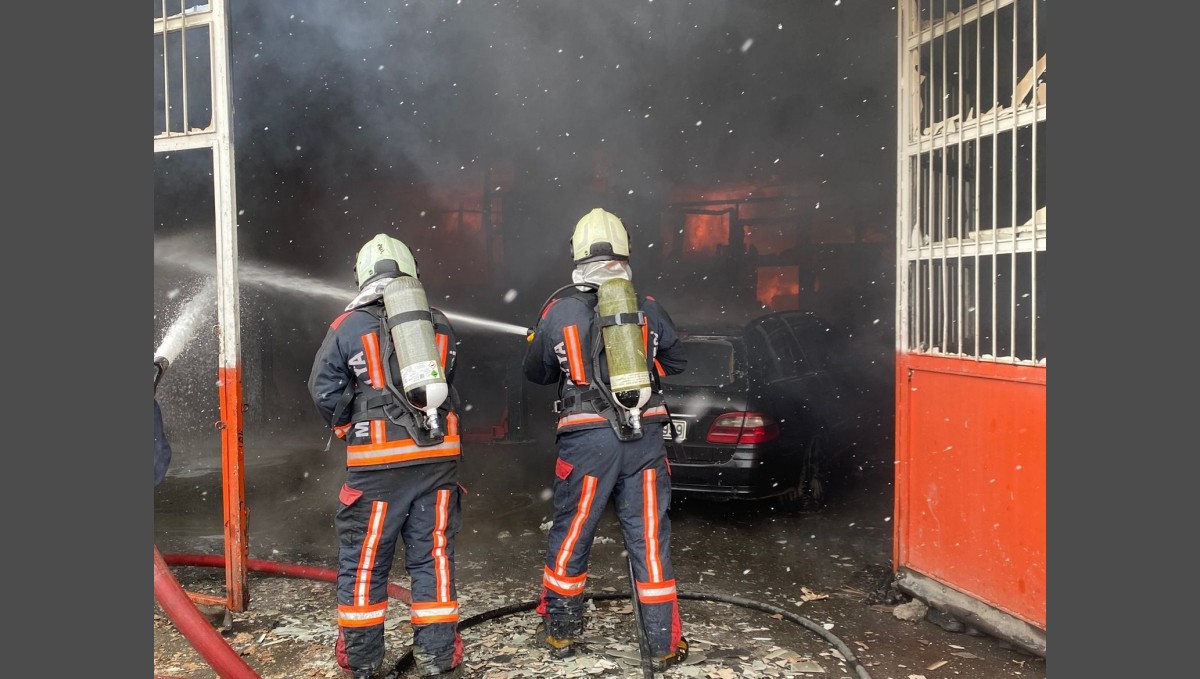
(934, 666)
(808, 595)
(807, 667)
(912, 611)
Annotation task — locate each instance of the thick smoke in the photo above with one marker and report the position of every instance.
(668, 92)
(353, 118)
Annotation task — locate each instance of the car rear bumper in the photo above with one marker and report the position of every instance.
(748, 475)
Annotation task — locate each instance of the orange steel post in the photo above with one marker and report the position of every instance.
(230, 377)
(233, 489)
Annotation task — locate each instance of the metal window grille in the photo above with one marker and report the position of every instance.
(971, 193)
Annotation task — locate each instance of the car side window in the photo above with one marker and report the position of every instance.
(782, 357)
(816, 341)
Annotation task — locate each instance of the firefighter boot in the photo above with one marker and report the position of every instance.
(454, 673)
(559, 648)
(681, 653)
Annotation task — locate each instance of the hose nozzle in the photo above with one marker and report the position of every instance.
(160, 367)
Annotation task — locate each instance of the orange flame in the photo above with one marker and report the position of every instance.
(779, 287)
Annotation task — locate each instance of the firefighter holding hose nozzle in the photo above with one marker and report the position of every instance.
(162, 447)
(382, 381)
(606, 349)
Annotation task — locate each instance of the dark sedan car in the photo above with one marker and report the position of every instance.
(766, 409)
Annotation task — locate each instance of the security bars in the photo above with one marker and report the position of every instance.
(971, 196)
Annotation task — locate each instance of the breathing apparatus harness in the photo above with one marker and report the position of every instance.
(391, 404)
(599, 400)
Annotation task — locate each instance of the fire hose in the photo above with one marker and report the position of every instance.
(196, 628)
(851, 659)
(229, 665)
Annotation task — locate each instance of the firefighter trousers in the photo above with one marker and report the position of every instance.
(593, 465)
(421, 504)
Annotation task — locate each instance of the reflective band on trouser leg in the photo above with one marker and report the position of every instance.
(656, 592)
(650, 524)
(587, 495)
(566, 585)
(362, 616)
(429, 534)
(441, 564)
(362, 612)
(429, 612)
(366, 558)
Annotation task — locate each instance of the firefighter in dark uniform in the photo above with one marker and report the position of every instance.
(593, 462)
(162, 447)
(400, 483)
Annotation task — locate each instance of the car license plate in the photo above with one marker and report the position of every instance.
(680, 427)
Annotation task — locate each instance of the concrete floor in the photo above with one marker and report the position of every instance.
(746, 550)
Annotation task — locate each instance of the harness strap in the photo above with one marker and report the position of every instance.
(625, 318)
(415, 315)
(362, 405)
(572, 403)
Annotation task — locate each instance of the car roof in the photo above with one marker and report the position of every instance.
(711, 333)
(736, 331)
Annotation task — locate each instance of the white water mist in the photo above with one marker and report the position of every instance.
(182, 254)
(196, 309)
(507, 328)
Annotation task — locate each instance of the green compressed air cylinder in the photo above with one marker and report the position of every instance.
(628, 377)
(421, 376)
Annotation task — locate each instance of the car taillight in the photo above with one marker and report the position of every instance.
(739, 428)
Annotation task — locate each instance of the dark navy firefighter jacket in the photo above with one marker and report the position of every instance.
(350, 354)
(561, 348)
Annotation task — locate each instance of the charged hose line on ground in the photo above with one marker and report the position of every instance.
(195, 627)
(406, 660)
(200, 633)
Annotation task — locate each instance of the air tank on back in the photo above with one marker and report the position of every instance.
(628, 376)
(422, 379)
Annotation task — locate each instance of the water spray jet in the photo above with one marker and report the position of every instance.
(184, 327)
(266, 276)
